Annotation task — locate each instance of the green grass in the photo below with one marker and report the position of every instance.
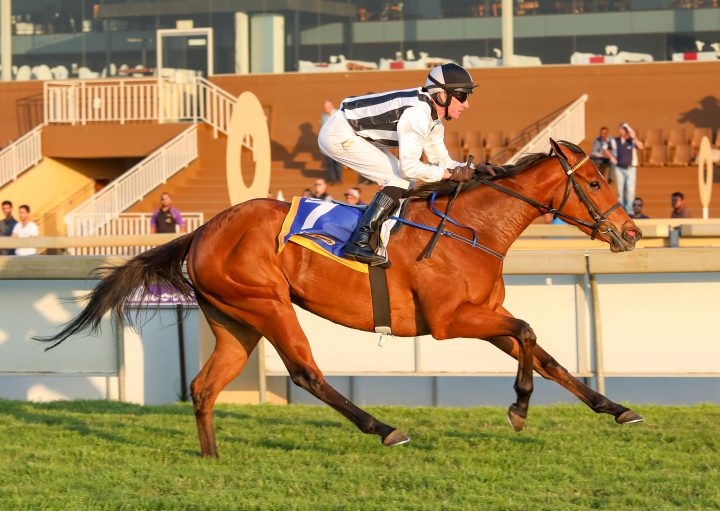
(107, 455)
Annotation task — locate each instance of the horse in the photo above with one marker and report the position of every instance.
(246, 289)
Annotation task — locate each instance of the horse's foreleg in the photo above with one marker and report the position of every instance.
(289, 340)
(550, 369)
(231, 353)
(473, 321)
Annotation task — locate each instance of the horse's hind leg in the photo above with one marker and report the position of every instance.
(292, 345)
(550, 369)
(232, 350)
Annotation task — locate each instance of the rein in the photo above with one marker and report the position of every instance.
(602, 224)
(440, 231)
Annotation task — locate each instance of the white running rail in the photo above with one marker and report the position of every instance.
(134, 224)
(133, 185)
(569, 125)
(142, 99)
(23, 153)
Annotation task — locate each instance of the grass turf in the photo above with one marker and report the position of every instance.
(109, 455)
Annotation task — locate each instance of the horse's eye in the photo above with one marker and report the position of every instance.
(595, 185)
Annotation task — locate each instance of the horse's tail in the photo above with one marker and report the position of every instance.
(158, 267)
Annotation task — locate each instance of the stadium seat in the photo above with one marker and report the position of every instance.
(473, 139)
(495, 139)
(658, 155)
(683, 155)
(654, 136)
(677, 137)
(698, 134)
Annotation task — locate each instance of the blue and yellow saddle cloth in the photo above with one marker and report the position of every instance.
(323, 227)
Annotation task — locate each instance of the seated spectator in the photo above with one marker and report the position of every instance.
(25, 228)
(166, 218)
(680, 210)
(604, 154)
(637, 207)
(307, 193)
(321, 190)
(6, 225)
(352, 196)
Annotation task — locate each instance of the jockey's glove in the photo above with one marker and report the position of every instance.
(461, 174)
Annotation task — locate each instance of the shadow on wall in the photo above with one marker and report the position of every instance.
(305, 151)
(29, 112)
(707, 116)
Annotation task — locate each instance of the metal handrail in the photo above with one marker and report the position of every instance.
(568, 125)
(22, 154)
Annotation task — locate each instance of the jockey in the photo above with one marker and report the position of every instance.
(359, 134)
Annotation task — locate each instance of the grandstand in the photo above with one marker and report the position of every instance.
(510, 106)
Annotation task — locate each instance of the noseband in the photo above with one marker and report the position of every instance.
(601, 226)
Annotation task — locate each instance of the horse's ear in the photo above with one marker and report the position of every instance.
(556, 148)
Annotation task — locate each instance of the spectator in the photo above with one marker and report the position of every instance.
(6, 225)
(307, 193)
(25, 228)
(626, 165)
(604, 154)
(680, 210)
(166, 218)
(333, 169)
(352, 196)
(637, 209)
(321, 190)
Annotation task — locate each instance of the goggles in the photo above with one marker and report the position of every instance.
(460, 96)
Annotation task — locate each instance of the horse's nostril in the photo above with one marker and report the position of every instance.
(631, 234)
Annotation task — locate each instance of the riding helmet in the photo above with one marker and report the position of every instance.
(450, 78)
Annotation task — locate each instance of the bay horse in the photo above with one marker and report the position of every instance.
(247, 290)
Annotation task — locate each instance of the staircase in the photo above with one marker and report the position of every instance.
(111, 201)
(21, 155)
(122, 101)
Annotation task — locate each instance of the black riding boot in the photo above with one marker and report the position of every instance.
(360, 247)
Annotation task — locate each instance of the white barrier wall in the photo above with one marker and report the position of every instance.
(656, 325)
(549, 304)
(656, 312)
(86, 367)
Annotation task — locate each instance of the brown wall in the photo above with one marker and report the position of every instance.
(645, 95)
(20, 109)
(132, 140)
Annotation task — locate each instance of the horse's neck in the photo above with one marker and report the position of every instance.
(500, 218)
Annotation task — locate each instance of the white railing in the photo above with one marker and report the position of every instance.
(133, 224)
(123, 100)
(83, 101)
(569, 125)
(19, 156)
(133, 185)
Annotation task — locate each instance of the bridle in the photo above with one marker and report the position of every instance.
(601, 226)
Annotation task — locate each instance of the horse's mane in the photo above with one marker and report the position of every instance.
(529, 160)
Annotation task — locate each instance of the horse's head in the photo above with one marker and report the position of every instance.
(588, 202)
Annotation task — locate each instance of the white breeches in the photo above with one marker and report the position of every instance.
(339, 141)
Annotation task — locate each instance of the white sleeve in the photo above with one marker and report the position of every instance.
(436, 151)
(34, 229)
(413, 131)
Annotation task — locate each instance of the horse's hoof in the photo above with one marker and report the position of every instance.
(516, 418)
(629, 417)
(395, 437)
